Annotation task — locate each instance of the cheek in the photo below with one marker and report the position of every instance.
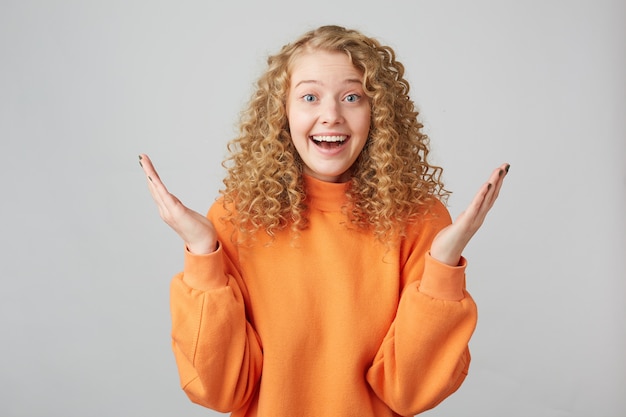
(298, 122)
(297, 130)
(366, 123)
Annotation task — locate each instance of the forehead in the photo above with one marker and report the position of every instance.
(319, 65)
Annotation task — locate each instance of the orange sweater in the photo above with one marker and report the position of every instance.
(331, 324)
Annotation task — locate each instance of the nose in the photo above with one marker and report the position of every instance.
(331, 113)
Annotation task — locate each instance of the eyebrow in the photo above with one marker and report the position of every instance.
(347, 81)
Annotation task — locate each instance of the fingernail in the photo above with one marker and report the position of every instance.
(489, 186)
(150, 178)
(140, 164)
(507, 167)
(500, 172)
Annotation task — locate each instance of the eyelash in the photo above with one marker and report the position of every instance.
(307, 96)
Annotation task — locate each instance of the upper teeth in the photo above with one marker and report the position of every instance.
(329, 138)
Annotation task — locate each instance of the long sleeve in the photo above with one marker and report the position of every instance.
(338, 322)
(425, 357)
(217, 351)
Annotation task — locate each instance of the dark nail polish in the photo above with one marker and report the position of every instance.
(507, 167)
(150, 178)
(500, 172)
(489, 186)
(140, 164)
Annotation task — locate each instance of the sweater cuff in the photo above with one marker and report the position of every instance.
(442, 281)
(204, 272)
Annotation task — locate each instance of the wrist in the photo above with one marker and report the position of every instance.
(451, 259)
(201, 248)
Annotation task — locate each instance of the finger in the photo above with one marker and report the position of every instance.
(168, 204)
(486, 195)
(496, 180)
(148, 167)
(164, 200)
(155, 185)
(478, 201)
(498, 174)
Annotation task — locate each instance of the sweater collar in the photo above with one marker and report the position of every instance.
(325, 196)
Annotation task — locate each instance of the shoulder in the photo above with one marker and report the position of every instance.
(421, 230)
(433, 217)
(220, 212)
(217, 209)
(221, 215)
(439, 213)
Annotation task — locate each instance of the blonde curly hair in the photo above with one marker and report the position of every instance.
(392, 181)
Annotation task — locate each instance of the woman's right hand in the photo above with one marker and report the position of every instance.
(195, 229)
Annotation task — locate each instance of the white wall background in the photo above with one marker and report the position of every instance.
(85, 261)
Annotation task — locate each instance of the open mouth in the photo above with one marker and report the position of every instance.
(329, 142)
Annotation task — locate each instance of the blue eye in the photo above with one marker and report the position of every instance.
(309, 98)
(352, 98)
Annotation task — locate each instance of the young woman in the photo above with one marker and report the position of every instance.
(328, 279)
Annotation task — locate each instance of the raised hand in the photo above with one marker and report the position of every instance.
(195, 229)
(450, 242)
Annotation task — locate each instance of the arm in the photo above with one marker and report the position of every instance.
(424, 357)
(450, 242)
(217, 351)
(193, 228)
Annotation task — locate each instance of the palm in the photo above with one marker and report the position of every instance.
(195, 229)
(450, 242)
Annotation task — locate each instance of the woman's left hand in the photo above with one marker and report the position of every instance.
(450, 242)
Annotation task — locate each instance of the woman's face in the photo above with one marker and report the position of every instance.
(328, 112)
